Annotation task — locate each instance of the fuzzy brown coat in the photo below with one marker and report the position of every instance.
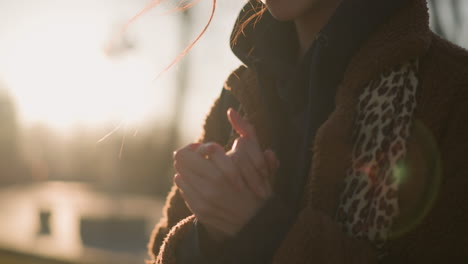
(433, 223)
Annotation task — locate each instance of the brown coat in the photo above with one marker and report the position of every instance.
(433, 223)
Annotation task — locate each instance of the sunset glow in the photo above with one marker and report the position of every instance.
(65, 77)
(53, 62)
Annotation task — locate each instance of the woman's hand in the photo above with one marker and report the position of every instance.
(256, 167)
(218, 186)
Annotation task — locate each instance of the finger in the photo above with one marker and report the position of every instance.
(202, 186)
(212, 184)
(255, 154)
(193, 161)
(193, 147)
(253, 158)
(213, 192)
(240, 125)
(224, 163)
(205, 150)
(199, 207)
(178, 154)
(252, 148)
(196, 192)
(247, 133)
(272, 161)
(188, 192)
(250, 175)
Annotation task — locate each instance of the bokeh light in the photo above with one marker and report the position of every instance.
(427, 156)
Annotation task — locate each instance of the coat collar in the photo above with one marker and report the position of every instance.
(274, 43)
(405, 36)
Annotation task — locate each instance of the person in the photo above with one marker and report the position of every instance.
(341, 139)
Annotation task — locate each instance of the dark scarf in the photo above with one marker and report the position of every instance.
(303, 94)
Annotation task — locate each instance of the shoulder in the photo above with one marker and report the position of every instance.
(443, 98)
(443, 76)
(453, 53)
(216, 127)
(242, 83)
(446, 62)
(235, 92)
(240, 78)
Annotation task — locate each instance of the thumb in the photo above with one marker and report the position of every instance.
(240, 125)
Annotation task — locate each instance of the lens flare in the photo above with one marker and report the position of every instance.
(429, 159)
(400, 172)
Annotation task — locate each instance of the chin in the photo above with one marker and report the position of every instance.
(281, 10)
(287, 10)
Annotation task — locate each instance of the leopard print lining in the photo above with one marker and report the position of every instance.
(369, 199)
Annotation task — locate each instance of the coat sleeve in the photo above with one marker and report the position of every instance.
(441, 237)
(177, 219)
(316, 237)
(174, 212)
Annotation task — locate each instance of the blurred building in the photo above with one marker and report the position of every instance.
(74, 223)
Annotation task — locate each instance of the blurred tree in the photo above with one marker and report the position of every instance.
(160, 159)
(11, 165)
(43, 151)
(8, 127)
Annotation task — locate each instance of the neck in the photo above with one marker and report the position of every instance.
(310, 24)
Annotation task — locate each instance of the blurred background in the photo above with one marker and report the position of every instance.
(87, 130)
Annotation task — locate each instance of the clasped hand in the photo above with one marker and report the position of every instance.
(224, 190)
